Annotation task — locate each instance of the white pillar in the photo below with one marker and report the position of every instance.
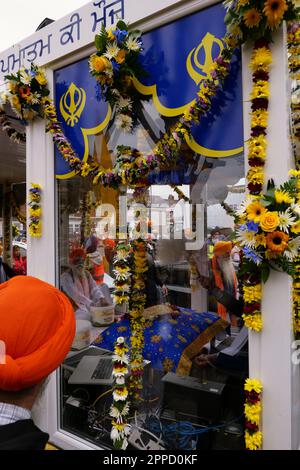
(270, 350)
(41, 251)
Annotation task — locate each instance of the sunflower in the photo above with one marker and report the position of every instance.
(277, 241)
(274, 11)
(252, 18)
(255, 211)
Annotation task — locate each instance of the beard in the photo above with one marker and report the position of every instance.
(227, 269)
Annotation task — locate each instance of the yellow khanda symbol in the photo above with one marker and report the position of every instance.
(206, 44)
(72, 104)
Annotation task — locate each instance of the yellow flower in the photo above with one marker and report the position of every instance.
(296, 227)
(253, 322)
(274, 11)
(252, 293)
(260, 90)
(283, 197)
(269, 221)
(253, 441)
(295, 173)
(261, 59)
(35, 212)
(257, 147)
(253, 384)
(252, 18)
(99, 64)
(256, 175)
(110, 34)
(121, 56)
(255, 211)
(259, 118)
(260, 240)
(41, 78)
(15, 101)
(277, 241)
(242, 3)
(252, 412)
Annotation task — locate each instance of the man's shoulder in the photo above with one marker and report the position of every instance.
(22, 435)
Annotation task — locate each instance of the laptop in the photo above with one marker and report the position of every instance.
(93, 370)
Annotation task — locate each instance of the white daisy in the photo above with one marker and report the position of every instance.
(118, 397)
(242, 208)
(293, 249)
(286, 219)
(124, 122)
(295, 208)
(246, 238)
(124, 103)
(112, 50)
(133, 44)
(36, 97)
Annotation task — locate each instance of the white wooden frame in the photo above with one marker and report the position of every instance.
(270, 351)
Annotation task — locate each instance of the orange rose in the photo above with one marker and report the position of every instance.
(269, 221)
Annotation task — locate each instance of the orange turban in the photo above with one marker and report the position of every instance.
(77, 253)
(37, 328)
(222, 248)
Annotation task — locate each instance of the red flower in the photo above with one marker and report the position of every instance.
(262, 42)
(258, 130)
(251, 308)
(255, 188)
(260, 75)
(256, 161)
(251, 426)
(260, 103)
(252, 397)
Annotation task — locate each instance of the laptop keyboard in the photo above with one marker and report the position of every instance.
(103, 370)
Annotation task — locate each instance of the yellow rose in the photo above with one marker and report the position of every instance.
(99, 64)
(269, 221)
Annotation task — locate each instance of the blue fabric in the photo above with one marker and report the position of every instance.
(166, 338)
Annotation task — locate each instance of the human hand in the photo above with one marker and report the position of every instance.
(205, 359)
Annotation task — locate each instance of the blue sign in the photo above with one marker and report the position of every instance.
(177, 57)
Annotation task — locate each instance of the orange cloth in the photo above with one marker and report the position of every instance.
(37, 327)
(98, 271)
(221, 248)
(222, 311)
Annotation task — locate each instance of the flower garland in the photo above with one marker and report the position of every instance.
(252, 409)
(261, 61)
(294, 68)
(120, 407)
(268, 233)
(122, 271)
(137, 321)
(114, 66)
(12, 133)
(35, 210)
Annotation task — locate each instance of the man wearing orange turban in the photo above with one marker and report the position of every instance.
(224, 275)
(37, 328)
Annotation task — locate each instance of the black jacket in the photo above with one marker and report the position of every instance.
(22, 435)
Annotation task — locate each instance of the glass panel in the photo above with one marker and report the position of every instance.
(192, 309)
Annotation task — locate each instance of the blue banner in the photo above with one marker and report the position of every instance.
(177, 57)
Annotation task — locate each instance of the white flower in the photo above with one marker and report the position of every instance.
(242, 209)
(120, 379)
(124, 122)
(112, 51)
(118, 397)
(120, 340)
(133, 44)
(124, 358)
(25, 77)
(293, 249)
(124, 103)
(36, 97)
(295, 208)
(246, 238)
(286, 219)
(115, 434)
